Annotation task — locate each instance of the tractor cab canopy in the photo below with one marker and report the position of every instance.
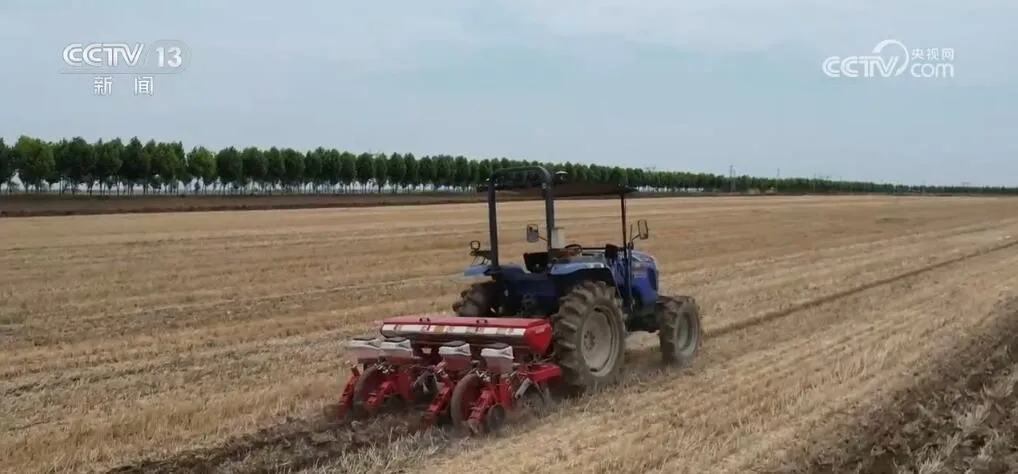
(537, 181)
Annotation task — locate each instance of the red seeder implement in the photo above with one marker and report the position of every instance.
(471, 372)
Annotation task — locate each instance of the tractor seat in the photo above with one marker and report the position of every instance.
(611, 252)
(536, 262)
(455, 344)
(566, 252)
(496, 345)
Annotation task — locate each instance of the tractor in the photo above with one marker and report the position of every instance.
(593, 295)
(555, 324)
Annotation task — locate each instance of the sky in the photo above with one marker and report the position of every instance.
(695, 85)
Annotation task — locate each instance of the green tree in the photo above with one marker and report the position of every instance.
(473, 175)
(579, 174)
(461, 172)
(426, 172)
(165, 166)
(444, 170)
(331, 168)
(82, 165)
(136, 166)
(230, 167)
(381, 174)
(6, 165)
(494, 164)
(256, 166)
(314, 164)
(347, 169)
(151, 179)
(616, 176)
(396, 169)
(483, 171)
(275, 167)
(201, 164)
(72, 162)
(293, 161)
(181, 172)
(64, 161)
(33, 158)
(365, 169)
(411, 177)
(108, 162)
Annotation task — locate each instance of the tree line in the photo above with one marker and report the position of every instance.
(118, 167)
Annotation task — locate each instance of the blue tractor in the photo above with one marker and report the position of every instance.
(593, 295)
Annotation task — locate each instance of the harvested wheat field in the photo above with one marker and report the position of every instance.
(210, 341)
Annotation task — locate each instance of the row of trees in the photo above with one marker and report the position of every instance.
(113, 166)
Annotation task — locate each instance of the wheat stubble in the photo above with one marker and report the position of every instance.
(136, 336)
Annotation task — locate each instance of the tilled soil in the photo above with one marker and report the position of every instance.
(962, 417)
(292, 445)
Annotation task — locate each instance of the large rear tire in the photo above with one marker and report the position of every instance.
(480, 300)
(679, 330)
(589, 337)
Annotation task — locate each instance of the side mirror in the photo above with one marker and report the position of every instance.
(533, 233)
(642, 231)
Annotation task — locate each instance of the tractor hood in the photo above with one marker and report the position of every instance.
(643, 258)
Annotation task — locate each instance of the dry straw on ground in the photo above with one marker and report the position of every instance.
(135, 337)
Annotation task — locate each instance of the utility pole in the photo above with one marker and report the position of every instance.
(731, 179)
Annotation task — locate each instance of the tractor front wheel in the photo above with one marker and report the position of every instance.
(679, 330)
(481, 299)
(589, 337)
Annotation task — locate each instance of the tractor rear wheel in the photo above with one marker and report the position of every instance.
(679, 329)
(589, 337)
(481, 299)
